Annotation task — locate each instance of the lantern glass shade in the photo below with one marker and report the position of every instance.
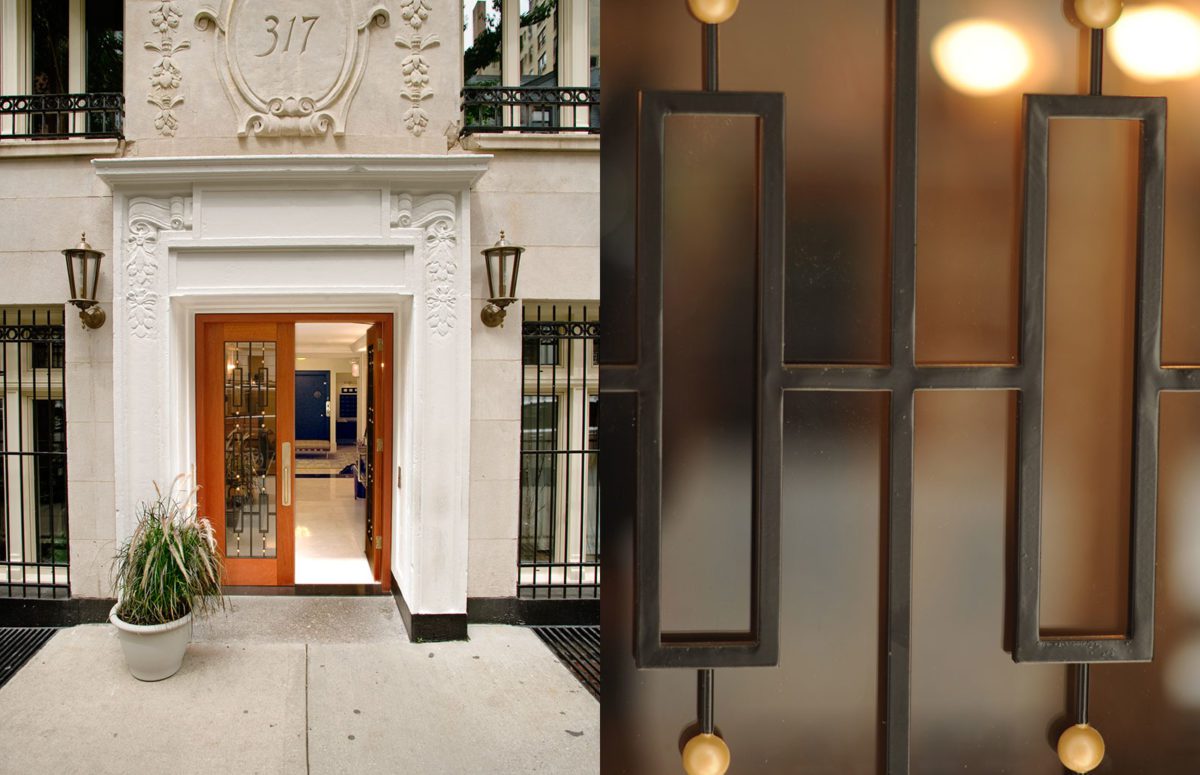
(83, 272)
(503, 263)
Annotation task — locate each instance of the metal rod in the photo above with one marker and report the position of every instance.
(1096, 83)
(1082, 679)
(704, 700)
(712, 57)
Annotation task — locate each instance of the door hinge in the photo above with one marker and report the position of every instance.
(378, 345)
(399, 477)
(378, 542)
(379, 444)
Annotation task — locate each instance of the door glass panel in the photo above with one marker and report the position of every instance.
(250, 445)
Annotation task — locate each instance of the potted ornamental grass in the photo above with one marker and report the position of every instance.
(166, 573)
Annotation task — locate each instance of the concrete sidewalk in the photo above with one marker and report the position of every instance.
(302, 685)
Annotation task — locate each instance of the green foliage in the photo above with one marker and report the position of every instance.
(170, 565)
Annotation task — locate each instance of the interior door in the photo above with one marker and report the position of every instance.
(246, 456)
(378, 457)
(312, 405)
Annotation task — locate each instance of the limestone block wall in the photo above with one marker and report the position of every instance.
(549, 202)
(45, 202)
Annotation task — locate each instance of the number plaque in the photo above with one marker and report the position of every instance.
(291, 67)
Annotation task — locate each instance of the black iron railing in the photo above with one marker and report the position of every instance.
(59, 116)
(33, 454)
(531, 109)
(559, 550)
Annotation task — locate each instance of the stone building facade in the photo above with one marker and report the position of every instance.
(300, 159)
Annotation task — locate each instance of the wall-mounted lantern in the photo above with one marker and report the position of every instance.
(82, 261)
(502, 262)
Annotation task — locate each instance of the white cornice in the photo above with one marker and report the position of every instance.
(505, 141)
(411, 171)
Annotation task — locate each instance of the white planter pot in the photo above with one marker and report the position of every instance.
(153, 652)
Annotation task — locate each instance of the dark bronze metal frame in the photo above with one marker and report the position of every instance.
(1149, 378)
(759, 646)
(627, 374)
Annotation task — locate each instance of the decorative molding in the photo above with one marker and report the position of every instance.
(436, 172)
(415, 70)
(279, 100)
(402, 211)
(435, 214)
(165, 75)
(415, 12)
(147, 217)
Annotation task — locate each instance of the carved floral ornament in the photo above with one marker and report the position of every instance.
(147, 217)
(414, 68)
(291, 68)
(435, 216)
(165, 75)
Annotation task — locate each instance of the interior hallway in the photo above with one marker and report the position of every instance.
(330, 532)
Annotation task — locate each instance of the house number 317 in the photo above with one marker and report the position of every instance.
(273, 28)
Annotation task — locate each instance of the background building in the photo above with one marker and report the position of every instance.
(316, 165)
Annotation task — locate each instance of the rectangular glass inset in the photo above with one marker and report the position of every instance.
(1091, 282)
(709, 364)
(250, 450)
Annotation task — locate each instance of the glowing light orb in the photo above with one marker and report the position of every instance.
(1156, 43)
(980, 57)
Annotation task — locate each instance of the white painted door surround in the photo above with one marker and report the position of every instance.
(302, 234)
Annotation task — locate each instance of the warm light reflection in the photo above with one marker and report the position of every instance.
(980, 56)
(1157, 43)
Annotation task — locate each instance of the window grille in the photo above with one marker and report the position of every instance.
(559, 549)
(33, 454)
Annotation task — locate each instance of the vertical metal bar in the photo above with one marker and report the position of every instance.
(1082, 688)
(552, 457)
(712, 56)
(21, 461)
(1096, 69)
(581, 457)
(905, 30)
(54, 511)
(7, 414)
(538, 457)
(704, 700)
(565, 457)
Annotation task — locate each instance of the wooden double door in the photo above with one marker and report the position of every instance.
(246, 441)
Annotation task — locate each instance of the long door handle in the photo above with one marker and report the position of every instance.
(287, 473)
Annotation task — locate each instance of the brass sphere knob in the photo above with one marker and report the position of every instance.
(1098, 14)
(706, 754)
(712, 11)
(1081, 748)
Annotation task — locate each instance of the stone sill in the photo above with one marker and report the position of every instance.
(516, 141)
(75, 146)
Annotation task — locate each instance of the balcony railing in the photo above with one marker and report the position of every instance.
(59, 116)
(531, 109)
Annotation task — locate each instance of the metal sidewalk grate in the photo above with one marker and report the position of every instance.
(578, 647)
(18, 645)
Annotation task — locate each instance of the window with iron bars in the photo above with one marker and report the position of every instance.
(33, 454)
(67, 80)
(559, 552)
